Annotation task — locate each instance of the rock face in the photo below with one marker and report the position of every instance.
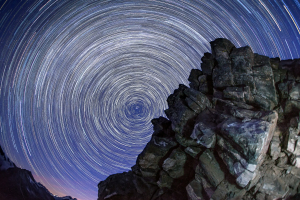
(17, 184)
(233, 134)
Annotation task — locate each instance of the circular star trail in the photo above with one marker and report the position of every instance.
(80, 80)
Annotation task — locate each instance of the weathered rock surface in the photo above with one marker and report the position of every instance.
(234, 134)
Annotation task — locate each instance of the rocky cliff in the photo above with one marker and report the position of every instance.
(19, 184)
(233, 134)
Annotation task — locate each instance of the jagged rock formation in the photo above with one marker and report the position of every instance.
(19, 184)
(233, 134)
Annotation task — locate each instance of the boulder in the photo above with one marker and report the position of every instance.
(222, 73)
(185, 104)
(226, 190)
(265, 91)
(210, 168)
(193, 78)
(205, 84)
(193, 151)
(194, 190)
(251, 138)
(204, 135)
(174, 164)
(207, 64)
(165, 181)
(178, 112)
(273, 185)
(148, 161)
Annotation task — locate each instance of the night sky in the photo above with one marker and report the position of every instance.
(80, 80)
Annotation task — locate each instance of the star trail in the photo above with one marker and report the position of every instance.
(80, 80)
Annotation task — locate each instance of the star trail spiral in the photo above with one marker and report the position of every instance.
(80, 80)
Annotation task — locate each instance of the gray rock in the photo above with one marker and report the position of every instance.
(273, 185)
(240, 67)
(292, 142)
(236, 164)
(217, 94)
(204, 135)
(296, 172)
(211, 168)
(184, 141)
(142, 186)
(242, 105)
(194, 190)
(226, 190)
(283, 89)
(246, 80)
(174, 164)
(185, 104)
(294, 92)
(204, 84)
(294, 123)
(207, 187)
(178, 112)
(221, 49)
(244, 144)
(275, 63)
(242, 60)
(193, 78)
(244, 114)
(292, 107)
(222, 76)
(225, 155)
(261, 60)
(280, 75)
(260, 195)
(291, 139)
(244, 178)
(275, 144)
(292, 67)
(198, 100)
(275, 147)
(282, 160)
(237, 93)
(265, 93)
(162, 127)
(155, 150)
(252, 138)
(165, 181)
(295, 160)
(193, 151)
(207, 64)
(222, 73)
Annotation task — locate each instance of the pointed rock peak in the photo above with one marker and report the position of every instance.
(221, 45)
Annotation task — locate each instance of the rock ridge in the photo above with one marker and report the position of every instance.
(17, 183)
(232, 134)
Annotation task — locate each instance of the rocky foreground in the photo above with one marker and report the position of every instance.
(233, 134)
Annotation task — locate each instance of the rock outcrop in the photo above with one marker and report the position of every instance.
(233, 134)
(19, 184)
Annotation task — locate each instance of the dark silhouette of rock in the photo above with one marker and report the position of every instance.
(19, 184)
(234, 134)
